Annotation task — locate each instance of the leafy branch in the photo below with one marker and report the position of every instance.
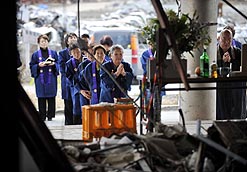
(189, 32)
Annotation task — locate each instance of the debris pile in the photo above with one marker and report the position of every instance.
(169, 148)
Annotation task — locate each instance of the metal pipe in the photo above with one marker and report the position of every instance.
(78, 17)
(239, 12)
(222, 149)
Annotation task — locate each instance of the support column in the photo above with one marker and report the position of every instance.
(200, 104)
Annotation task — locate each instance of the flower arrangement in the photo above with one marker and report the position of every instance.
(189, 32)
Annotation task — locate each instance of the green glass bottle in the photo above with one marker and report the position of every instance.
(204, 64)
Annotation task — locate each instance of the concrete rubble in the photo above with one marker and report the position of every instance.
(169, 148)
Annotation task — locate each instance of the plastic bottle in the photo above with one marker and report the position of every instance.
(204, 64)
(214, 73)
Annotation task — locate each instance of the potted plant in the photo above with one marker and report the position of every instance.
(189, 34)
(188, 31)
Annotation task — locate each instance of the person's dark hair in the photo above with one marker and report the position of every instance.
(98, 46)
(85, 35)
(231, 28)
(83, 44)
(42, 36)
(73, 46)
(67, 37)
(106, 40)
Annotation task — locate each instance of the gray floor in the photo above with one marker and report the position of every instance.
(74, 132)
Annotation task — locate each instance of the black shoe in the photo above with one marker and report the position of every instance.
(49, 119)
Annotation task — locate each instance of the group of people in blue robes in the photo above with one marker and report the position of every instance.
(95, 82)
(86, 76)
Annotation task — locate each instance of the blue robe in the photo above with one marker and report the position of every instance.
(236, 43)
(147, 54)
(88, 77)
(63, 57)
(81, 84)
(107, 57)
(109, 90)
(72, 74)
(48, 87)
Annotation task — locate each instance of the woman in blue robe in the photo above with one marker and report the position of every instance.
(72, 73)
(63, 57)
(82, 85)
(91, 76)
(121, 71)
(44, 69)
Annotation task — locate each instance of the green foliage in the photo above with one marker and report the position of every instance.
(189, 32)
